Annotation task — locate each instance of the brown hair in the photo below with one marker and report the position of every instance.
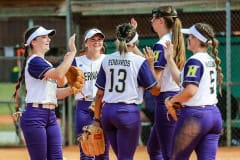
(125, 33)
(207, 31)
(27, 34)
(173, 22)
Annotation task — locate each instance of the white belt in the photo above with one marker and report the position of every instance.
(86, 99)
(202, 106)
(46, 106)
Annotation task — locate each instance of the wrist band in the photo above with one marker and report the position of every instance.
(97, 119)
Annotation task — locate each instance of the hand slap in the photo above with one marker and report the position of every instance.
(71, 43)
(134, 23)
(168, 50)
(149, 55)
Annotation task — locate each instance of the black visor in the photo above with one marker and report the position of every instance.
(158, 13)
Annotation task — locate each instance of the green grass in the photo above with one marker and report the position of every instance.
(6, 91)
(6, 110)
(7, 127)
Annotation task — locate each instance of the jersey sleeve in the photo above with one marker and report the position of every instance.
(159, 59)
(145, 77)
(101, 79)
(37, 67)
(193, 71)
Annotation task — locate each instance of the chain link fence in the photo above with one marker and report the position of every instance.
(147, 38)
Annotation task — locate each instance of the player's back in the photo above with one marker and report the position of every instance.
(122, 78)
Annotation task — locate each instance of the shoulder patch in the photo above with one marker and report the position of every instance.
(192, 70)
(156, 54)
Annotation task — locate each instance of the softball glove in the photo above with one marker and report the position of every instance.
(75, 78)
(92, 140)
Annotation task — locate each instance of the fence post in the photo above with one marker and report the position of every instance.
(228, 70)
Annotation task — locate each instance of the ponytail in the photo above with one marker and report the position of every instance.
(218, 67)
(178, 43)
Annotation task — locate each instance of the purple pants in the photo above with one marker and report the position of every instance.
(160, 141)
(121, 123)
(153, 145)
(84, 117)
(42, 133)
(197, 129)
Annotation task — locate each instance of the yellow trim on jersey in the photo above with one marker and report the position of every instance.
(192, 69)
(156, 55)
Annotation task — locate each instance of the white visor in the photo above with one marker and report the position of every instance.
(93, 32)
(39, 32)
(135, 39)
(192, 30)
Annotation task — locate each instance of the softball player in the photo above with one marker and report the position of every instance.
(121, 80)
(90, 64)
(200, 123)
(166, 24)
(38, 121)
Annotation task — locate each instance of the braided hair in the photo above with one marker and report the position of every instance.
(125, 33)
(207, 31)
(174, 24)
(27, 34)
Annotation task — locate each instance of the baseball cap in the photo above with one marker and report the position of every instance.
(192, 30)
(39, 32)
(93, 32)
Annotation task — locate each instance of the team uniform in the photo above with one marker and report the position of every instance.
(38, 121)
(160, 141)
(123, 78)
(83, 116)
(200, 112)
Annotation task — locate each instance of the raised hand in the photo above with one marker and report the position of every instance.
(168, 50)
(134, 23)
(149, 55)
(71, 43)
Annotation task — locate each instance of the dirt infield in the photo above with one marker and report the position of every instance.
(6, 119)
(71, 153)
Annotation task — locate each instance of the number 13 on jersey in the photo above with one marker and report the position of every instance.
(117, 83)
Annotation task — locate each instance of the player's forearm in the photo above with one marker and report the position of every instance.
(59, 72)
(186, 94)
(62, 69)
(156, 74)
(63, 92)
(98, 104)
(62, 82)
(174, 70)
(154, 71)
